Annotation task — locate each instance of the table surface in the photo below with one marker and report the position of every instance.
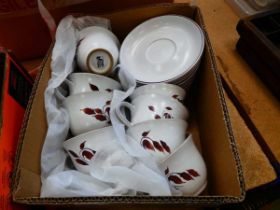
(261, 108)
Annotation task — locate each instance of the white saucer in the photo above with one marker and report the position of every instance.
(162, 48)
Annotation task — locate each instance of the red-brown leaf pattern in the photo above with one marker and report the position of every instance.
(88, 111)
(167, 116)
(175, 179)
(98, 111)
(193, 172)
(147, 145)
(82, 145)
(100, 117)
(168, 108)
(107, 110)
(93, 87)
(73, 153)
(81, 162)
(108, 102)
(185, 176)
(175, 96)
(145, 133)
(87, 154)
(109, 90)
(151, 108)
(158, 146)
(157, 117)
(165, 146)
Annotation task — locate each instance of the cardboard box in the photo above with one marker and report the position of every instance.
(210, 122)
(15, 88)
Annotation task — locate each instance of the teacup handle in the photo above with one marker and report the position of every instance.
(58, 94)
(121, 115)
(68, 82)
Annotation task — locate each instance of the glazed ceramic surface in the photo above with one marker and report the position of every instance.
(186, 169)
(87, 82)
(159, 137)
(151, 107)
(88, 111)
(98, 51)
(83, 148)
(162, 49)
(165, 89)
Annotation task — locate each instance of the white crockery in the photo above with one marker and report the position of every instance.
(98, 51)
(162, 49)
(186, 169)
(165, 89)
(88, 111)
(83, 148)
(151, 107)
(159, 137)
(88, 82)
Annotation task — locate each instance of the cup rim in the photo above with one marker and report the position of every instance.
(79, 95)
(164, 84)
(92, 75)
(69, 141)
(158, 121)
(154, 95)
(187, 139)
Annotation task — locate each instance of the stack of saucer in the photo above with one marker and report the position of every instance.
(163, 49)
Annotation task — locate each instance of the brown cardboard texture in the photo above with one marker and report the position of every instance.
(225, 180)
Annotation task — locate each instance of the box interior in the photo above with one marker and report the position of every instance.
(225, 182)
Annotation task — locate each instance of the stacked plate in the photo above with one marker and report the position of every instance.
(163, 49)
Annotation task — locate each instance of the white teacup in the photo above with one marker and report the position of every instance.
(186, 169)
(151, 107)
(159, 137)
(165, 89)
(88, 111)
(98, 51)
(87, 82)
(85, 147)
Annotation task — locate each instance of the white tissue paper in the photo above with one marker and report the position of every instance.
(127, 172)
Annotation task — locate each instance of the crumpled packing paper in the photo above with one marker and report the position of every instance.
(114, 172)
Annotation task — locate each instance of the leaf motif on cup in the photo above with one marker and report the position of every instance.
(157, 117)
(158, 146)
(177, 97)
(98, 111)
(82, 162)
(165, 146)
(167, 116)
(178, 178)
(100, 117)
(85, 154)
(193, 172)
(108, 102)
(185, 176)
(109, 90)
(88, 111)
(168, 108)
(145, 133)
(82, 145)
(175, 179)
(147, 145)
(93, 87)
(151, 108)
